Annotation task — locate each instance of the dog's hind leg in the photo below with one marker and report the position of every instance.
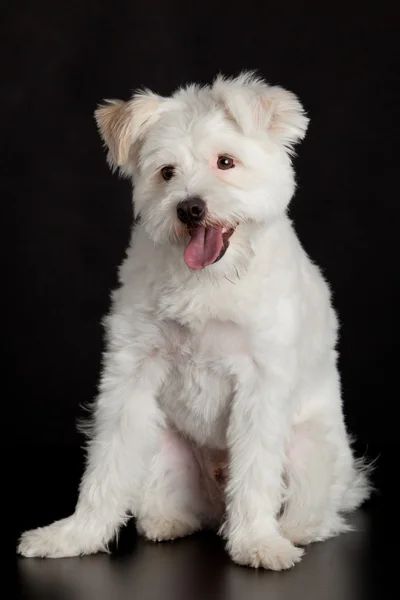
(322, 477)
(175, 502)
(311, 508)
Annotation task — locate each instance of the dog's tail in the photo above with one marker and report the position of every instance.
(360, 488)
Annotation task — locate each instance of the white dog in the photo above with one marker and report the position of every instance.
(220, 402)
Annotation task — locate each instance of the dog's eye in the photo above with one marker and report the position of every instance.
(167, 172)
(225, 162)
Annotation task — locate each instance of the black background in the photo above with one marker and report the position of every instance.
(65, 219)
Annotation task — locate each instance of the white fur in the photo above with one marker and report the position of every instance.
(237, 359)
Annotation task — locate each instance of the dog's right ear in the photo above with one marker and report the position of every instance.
(123, 124)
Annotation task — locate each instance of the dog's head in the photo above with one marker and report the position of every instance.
(211, 165)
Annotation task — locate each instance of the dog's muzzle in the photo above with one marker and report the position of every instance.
(209, 239)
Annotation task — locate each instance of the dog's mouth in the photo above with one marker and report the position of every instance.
(207, 245)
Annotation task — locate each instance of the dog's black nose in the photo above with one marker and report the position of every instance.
(191, 211)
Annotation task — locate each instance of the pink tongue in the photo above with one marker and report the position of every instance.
(204, 247)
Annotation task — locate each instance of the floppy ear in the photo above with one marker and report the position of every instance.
(255, 105)
(284, 116)
(122, 124)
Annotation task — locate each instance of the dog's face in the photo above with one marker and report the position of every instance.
(211, 165)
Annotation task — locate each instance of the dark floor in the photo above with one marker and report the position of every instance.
(354, 566)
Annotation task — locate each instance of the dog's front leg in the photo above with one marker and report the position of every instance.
(257, 434)
(127, 429)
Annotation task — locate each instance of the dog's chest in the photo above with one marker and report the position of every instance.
(198, 391)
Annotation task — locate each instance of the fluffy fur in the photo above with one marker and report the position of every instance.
(219, 402)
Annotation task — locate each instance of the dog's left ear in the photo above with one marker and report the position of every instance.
(282, 113)
(123, 124)
(255, 105)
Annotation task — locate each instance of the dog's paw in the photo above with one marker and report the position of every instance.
(298, 535)
(274, 552)
(303, 534)
(159, 529)
(61, 539)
